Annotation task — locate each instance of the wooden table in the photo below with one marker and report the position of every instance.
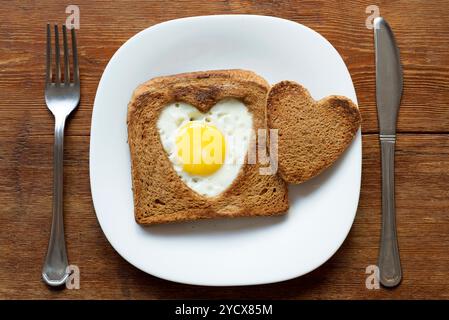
(26, 140)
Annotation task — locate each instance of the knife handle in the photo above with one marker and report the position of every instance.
(389, 263)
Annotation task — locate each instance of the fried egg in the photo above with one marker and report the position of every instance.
(206, 150)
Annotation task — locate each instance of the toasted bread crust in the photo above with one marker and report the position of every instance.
(159, 194)
(312, 134)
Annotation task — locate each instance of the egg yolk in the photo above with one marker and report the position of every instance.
(200, 147)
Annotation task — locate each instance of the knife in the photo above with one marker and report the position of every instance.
(388, 98)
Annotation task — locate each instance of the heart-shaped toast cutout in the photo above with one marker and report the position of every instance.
(312, 134)
(207, 150)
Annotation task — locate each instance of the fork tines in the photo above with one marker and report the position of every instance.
(49, 72)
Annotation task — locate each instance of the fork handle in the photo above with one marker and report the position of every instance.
(54, 271)
(389, 263)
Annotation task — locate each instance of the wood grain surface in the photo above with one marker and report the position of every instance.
(26, 140)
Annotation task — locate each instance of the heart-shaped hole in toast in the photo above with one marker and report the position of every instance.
(312, 134)
(207, 150)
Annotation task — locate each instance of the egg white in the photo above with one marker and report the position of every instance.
(234, 121)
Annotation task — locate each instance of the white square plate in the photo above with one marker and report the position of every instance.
(243, 251)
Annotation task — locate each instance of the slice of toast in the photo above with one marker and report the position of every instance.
(159, 193)
(312, 134)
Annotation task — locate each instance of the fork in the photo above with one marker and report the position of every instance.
(61, 97)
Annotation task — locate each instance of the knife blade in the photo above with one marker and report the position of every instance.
(388, 77)
(389, 82)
